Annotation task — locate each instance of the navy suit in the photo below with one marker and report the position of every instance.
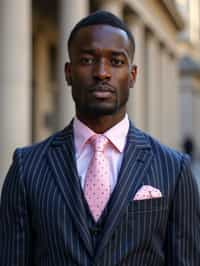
(44, 219)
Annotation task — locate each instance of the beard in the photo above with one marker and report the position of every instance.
(100, 108)
(97, 109)
(87, 104)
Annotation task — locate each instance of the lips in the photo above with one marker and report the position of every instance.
(102, 94)
(102, 91)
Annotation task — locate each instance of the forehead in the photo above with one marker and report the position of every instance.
(101, 37)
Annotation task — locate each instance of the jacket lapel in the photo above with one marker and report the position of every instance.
(62, 160)
(136, 161)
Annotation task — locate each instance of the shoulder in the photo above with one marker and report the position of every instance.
(162, 154)
(39, 150)
(36, 148)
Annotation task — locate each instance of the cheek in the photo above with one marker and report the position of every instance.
(82, 75)
(123, 85)
(121, 75)
(123, 81)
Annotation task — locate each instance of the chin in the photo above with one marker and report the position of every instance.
(102, 110)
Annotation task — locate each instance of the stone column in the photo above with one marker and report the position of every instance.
(174, 104)
(136, 104)
(170, 100)
(43, 99)
(71, 11)
(164, 96)
(15, 90)
(153, 83)
(112, 6)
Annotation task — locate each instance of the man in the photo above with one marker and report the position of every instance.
(100, 192)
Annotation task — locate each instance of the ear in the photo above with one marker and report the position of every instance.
(68, 75)
(133, 75)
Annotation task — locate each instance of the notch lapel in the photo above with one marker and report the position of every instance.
(136, 161)
(62, 160)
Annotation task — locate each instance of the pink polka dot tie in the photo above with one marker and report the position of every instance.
(97, 185)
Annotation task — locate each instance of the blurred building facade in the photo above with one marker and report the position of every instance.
(34, 98)
(189, 43)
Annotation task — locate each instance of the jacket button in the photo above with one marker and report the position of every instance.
(95, 230)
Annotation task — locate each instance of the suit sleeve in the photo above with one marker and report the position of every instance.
(14, 221)
(183, 233)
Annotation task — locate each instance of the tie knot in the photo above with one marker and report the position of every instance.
(99, 142)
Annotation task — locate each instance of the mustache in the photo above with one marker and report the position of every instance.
(102, 86)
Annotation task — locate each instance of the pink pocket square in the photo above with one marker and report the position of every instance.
(147, 192)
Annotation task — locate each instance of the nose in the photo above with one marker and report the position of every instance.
(102, 71)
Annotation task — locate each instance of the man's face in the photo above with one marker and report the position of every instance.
(100, 71)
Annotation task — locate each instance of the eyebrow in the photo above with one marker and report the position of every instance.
(119, 53)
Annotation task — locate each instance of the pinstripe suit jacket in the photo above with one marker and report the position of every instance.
(43, 220)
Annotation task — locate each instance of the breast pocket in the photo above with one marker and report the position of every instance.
(147, 206)
(148, 216)
(145, 221)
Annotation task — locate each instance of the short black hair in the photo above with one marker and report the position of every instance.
(98, 18)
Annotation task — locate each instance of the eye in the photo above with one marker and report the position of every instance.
(117, 62)
(87, 60)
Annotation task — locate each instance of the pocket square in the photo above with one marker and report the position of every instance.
(147, 192)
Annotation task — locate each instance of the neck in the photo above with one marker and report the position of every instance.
(100, 124)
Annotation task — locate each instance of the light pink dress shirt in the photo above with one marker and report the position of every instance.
(84, 152)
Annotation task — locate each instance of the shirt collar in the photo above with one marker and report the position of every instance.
(117, 134)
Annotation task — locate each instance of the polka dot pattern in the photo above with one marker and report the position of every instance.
(147, 192)
(97, 185)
